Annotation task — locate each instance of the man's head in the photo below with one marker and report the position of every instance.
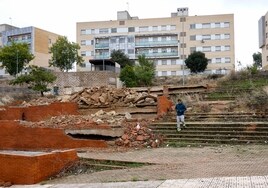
(179, 100)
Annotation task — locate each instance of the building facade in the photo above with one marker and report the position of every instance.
(166, 41)
(263, 39)
(38, 40)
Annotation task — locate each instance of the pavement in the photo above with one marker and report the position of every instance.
(186, 167)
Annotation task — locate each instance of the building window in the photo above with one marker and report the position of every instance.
(227, 60)
(113, 40)
(226, 36)
(104, 31)
(164, 50)
(217, 25)
(183, 19)
(192, 26)
(193, 37)
(114, 30)
(217, 36)
(163, 28)
(142, 29)
(130, 39)
(163, 38)
(83, 53)
(173, 27)
(121, 40)
(83, 31)
(206, 48)
(218, 60)
(266, 46)
(173, 73)
(226, 24)
(183, 56)
(205, 25)
(164, 73)
(131, 29)
(164, 62)
(121, 22)
(227, 48)
(217, 48)
(173, 61)
(206, 37)
(130, 51)
(183, 34)
(192, 49)
(183, 45)
(92, 31)
(155, 28)
(83, 42)
(155, 50)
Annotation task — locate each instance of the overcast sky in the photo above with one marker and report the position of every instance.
(60, 16)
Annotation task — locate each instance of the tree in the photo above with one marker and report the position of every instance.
(257, 58)
(119, 57)
(37, 79)
(64, 54)
(196, 62)
(145, 71)
(128, 76)
(15, 57)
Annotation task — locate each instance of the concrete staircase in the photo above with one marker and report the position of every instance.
(214, 129)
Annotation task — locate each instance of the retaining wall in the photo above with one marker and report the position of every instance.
(25, 168)
(38, 113)
(14, 136)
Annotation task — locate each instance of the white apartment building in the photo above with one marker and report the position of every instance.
(263, 39)
(166, 41)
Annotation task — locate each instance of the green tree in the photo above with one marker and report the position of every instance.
(37, 79)
(128, 76)
(64, 54)
(15, 57)
(257, 58)
(145, 71)
(196, 62)
(119, 57)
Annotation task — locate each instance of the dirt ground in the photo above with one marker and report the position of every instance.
(177, 163)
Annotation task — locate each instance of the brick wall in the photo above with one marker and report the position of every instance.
(14, 136)
(31, 169)
(38, 113)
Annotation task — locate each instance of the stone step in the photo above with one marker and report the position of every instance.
(219, 141)
(207, 132)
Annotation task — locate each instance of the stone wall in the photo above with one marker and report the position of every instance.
(68, 82)
(73, 81)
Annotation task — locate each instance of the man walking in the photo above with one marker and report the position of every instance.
(180, 109)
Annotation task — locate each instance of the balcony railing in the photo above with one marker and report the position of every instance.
(156, 43)
(157, 55)
(103, 56)
(102, 45)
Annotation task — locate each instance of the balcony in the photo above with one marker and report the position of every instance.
(102, 46)
(102, 56)
(156, 43)
(158, 55)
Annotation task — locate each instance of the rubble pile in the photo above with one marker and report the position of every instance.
(39, 101)
(107, 97)
(138, 135)
(79, 121)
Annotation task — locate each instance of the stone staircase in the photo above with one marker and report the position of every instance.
(214, 129)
